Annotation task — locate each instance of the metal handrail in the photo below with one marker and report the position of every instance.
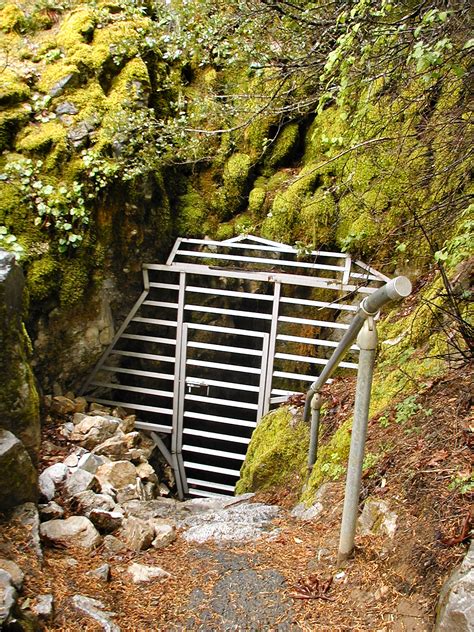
(397, 288)
(364, 329)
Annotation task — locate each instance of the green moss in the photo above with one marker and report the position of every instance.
(256, 199)
(276, 453)
(42, 138)
(12, 18)
(191, 214)
(317, 218)
(11, 121)
(12, 88)
(284, 147)
(331, 463)
(42, 278)
(75, 281)
(232, 195)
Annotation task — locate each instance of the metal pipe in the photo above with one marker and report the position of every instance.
(367, 341)
(397, 288)
(314, 434)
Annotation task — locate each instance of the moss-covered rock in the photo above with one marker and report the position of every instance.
(283, 149)
(277, 452)
(40, 139)
(256, 200)
(12, 18)
(191, 214)
(12, 88)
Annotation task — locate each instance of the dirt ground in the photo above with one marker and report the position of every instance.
(292, 582)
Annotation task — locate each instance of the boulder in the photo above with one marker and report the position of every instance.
(57, 472)
(18, 477)
(142, 573)
(376, 518)
(95, 609)
(81, 481)
(130, 492)
(137, 534)
(119, 447)
(165, 534)
(7, 597)
(113, 545)
(94, 430)
(50, 511)
(77, 531)
(43, 607)
(147, 510)
(63, 406)
(146, 473)
(118, 474)
(16, 574)
(127, 423)
(73, 459)
(101, 572)
(47, 488)
(87, 501)
(106, 521)
(455, 612)
(90, 462)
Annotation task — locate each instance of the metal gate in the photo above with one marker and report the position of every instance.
(209, 347)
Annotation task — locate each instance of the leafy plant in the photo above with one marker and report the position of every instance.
(9, 242)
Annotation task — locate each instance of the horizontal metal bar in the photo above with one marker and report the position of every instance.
(366, 275)
(229, 312)
(264, 246)
(151, 409)
(220, 402)
(382, 277)
(205, 494)
(197, 481)
(215, 435)
(318, 342)
(134, 389)
(211, 468)
(164, 286)
(294, 376)
(200, 450)
(218, 292)
(270, 261)
(221, 420)
(240, 350)
(231, 385)
(145, 356)
(224, 367)
(161, 304)
(270, 277)
(309, 360)
(301, 301)
(152, 374)
(310, 321)
(155, 321)
(145, 425)
(226, 330)
(280, 391)
(165, 341)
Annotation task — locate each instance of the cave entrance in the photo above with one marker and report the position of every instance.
(221, 333)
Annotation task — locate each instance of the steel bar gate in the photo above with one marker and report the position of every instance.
(209, 347)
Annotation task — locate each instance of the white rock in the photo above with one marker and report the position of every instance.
(76, 531)
(165, 534)
(137, 534)
(50, 511)
(73, 459)
(455, 612)
(101, 572)
(47, 487)
(118, 474)
(93, 430)
(7, 597)
(307, 513)
(376, 517)
(57, 472)
(90, 462)
(81, 481)
(43, 607)
(143, 573)
(96, 610)
(127, 493)
(85, 502)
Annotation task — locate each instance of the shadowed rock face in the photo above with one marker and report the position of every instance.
(19, 403)
(18, 477)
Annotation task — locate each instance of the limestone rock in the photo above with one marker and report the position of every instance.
(119, 447)
(18, 477)
(7, 596)
(27, 514)
(43, 607)
(146, 472)
(106, 521)
(50, 511)
(118, 474)
(376, 518)
(128, 422)
(131, 492)
(71, 80)
(47, 488)
(76, 531)
(63, 406)
(90, 462)
(101, 572)
(16, 574)
(137, 534)
(81, 481)
(66, 107)
(147, 510)
(307, 513)
(455, 611)
(142, 573)
(113, 545)
(57, 472)
(87, 501)
(93, 430)
(96, 610)
(165, 534)
(73, 459)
